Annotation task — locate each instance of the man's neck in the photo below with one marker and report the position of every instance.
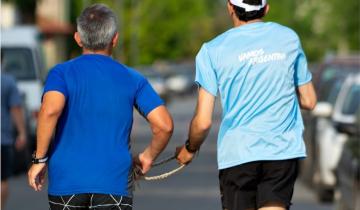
(238, 23)
(106, 52)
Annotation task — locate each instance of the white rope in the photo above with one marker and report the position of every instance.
(164, 175)
(138, 174)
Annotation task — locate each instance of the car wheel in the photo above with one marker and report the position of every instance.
(308, 165)
(324, 193)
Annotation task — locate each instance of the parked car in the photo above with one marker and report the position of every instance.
(157, 81)
(328, 80)
(348, 171)
(22, 58)
(341, 109)
(181, 79)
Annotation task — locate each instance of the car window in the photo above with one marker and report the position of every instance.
(331, 79)
(352, 100)
(19, 63)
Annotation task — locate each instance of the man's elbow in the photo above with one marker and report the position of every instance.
(50, 112)
(309, 104)
(204, 126)
(167, 128)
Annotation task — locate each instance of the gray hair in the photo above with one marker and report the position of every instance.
(97, 25)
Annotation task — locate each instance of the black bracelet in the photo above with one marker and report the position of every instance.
(188, 147)
(35, 160)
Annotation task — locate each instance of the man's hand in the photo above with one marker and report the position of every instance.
(36, 176)
(20, 142)
(183, 155)
(144, 162)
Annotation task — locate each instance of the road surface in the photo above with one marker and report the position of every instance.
(194, 188)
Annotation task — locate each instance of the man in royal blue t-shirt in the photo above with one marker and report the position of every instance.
(89, 100)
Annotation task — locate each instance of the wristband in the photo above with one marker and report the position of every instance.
(35, 160)
(188, 147)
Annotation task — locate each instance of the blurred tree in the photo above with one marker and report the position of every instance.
(174, 30)
(324, 26)
(160, 29)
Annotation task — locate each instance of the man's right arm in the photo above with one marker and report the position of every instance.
(17, 113)
(307, 96)
(162, 127)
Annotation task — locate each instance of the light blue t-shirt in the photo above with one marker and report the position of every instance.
(256, 69)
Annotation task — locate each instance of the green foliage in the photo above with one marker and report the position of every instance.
(160, 29)
(175, 29)
(171, 29)
(323, 26)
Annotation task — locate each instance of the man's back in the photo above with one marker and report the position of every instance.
(256, 68)
(91, 148)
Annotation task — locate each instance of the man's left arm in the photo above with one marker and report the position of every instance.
(51, 109)
(199, 127)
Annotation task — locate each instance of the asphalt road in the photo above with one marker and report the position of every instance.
(195, 187)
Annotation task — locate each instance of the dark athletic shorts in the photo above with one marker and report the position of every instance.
(90, 201)
(252, 185)
(7, 162)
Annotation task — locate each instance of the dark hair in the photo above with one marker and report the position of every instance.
(252, 15)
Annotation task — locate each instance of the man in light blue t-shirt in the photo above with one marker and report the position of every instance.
(259, 70)
(88, 103)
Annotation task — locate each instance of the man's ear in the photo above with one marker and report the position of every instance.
(78, 39)
(115, 40)
(267, 8)
(230, 9)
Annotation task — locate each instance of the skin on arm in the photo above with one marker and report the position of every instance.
(51, 108)
(17, 114)
(200, 125)
(273, 206)
(307, 96)
(162, 127)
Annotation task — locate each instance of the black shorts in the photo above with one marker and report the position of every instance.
(90, 201)
(7, 162)
(252, 185)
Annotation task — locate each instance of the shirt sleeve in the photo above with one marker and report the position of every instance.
(146, 98)
(302, 74)
(14, 95)
(205, 74)
(55, 82)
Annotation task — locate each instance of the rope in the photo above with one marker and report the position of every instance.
(139, 175)
(164, 175)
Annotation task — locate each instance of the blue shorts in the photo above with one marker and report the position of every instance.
(7, 161)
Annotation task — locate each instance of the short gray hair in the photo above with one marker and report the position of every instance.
(97, 25)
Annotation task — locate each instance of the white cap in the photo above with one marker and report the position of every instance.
(248, 7)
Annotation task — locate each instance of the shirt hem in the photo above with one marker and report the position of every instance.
(304, 83)
(205, 87)
(239, 162)
(72, 192)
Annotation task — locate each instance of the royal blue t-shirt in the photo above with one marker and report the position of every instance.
(90, 152)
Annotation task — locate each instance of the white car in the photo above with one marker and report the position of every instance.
(22, 58)
(330, 142)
